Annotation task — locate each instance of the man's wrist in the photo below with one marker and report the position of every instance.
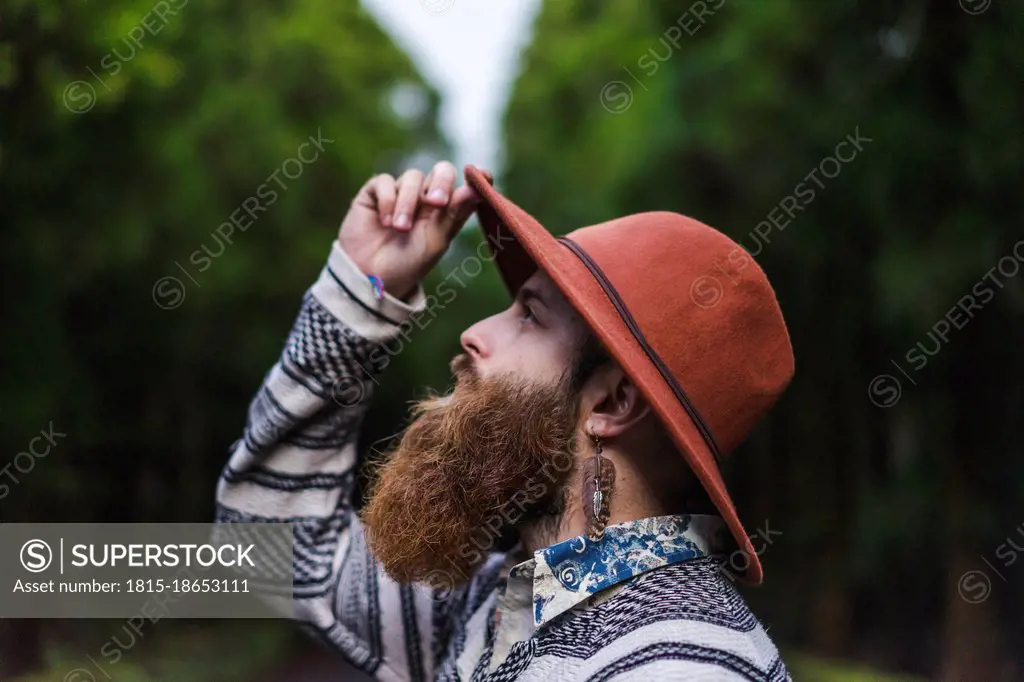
(350, 296)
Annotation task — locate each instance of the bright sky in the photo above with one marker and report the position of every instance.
(469, 51)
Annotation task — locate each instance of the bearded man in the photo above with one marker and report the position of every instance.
(585, 431)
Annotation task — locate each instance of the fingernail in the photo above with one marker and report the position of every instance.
(437, 194)
(402, 221)
(386, 220)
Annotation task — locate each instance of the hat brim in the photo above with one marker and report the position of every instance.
(520, 245)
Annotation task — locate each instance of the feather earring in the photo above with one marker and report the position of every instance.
(598, 482)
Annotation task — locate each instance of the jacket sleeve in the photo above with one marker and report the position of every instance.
(297, 463)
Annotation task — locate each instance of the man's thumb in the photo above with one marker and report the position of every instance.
(463, 203)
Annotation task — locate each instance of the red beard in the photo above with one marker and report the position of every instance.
(470, 466)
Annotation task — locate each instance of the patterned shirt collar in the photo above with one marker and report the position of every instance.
(571, 571)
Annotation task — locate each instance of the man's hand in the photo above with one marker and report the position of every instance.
(399, 229)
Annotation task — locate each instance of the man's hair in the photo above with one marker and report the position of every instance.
(589, 357)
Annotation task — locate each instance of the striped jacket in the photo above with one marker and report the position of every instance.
(667, 613)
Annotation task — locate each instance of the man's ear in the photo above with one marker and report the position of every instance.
(614, 402)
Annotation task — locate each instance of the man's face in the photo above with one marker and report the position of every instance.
(536, 338)
(493, 453)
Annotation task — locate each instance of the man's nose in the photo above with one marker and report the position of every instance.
(472, 342)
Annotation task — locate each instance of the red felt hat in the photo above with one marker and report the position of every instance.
(685, 311)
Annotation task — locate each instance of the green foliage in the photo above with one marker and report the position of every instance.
(193, 652)
(803, 667)
(183, 113)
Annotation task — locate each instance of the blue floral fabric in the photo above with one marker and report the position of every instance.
(569, 572)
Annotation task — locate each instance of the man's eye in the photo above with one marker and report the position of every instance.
(528, 313)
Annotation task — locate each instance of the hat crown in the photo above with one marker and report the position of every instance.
(704, 307)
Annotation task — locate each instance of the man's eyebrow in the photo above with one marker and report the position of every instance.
(528, 293)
